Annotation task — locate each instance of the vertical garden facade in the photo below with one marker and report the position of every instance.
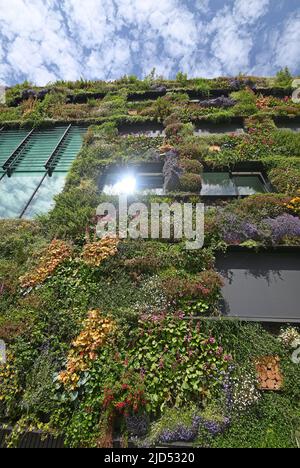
(142, 340)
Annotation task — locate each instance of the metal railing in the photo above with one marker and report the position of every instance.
(49, 165)
(8, 165)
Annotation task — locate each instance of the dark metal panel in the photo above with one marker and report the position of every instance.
(262, 287)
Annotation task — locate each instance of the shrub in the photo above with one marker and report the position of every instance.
(192, 166)
(289, 337)
(95, 253)
(107, 130)
(283, 78)
(191, 183)
(10, 389)
(257, 207)
(172, 119)
(85, 347)
(173, 129)
(286, 180)
(205, 285)
(179, 364)
(196, 151)
(182, 78)
(146, 264)
(57, 252)
(175, 425)
(162, 108)
(246, 102)
(202, 85)
(245, 393)
(39, 396)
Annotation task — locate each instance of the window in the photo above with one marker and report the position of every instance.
(143, 180)
(27, 183)
(225, 184)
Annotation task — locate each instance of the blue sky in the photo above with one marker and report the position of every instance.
(47, 40)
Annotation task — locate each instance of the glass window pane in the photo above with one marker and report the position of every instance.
(129, 183)
(217, 184)
(15, 193)
(249, 185)
(43, 201)
(9, 141)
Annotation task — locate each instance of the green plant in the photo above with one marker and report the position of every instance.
(176, 361)
(191, 182)
(283, 78)
(191, 166)
(203, 85)
(182, 78)
(246, 102)
(39, 396)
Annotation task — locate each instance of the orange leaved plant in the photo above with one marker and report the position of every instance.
(94, 253)
(85, 347)
(57, 252)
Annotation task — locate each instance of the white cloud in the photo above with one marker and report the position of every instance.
(250, 10)
(230, 44)
(45, 40)
(287, 47)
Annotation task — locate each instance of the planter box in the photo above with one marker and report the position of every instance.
(33, 440)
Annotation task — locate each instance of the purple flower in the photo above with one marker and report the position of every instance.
(250, 231)
(283, 226)
(215, 427)
(181, 433)
(235, 230)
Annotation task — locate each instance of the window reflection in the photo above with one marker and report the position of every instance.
(44, 198)
(15, 193)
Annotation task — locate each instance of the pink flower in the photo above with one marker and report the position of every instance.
(228, 357)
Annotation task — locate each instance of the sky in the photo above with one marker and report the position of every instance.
(48, 40)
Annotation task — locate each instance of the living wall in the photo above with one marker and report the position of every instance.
(115, 337)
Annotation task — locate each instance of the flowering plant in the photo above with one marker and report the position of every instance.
(294, 205)
(290, 337)
(245, 393)
(126, 397)
(178, 362)
(175, 425)
(235, 229)
(285, 226)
